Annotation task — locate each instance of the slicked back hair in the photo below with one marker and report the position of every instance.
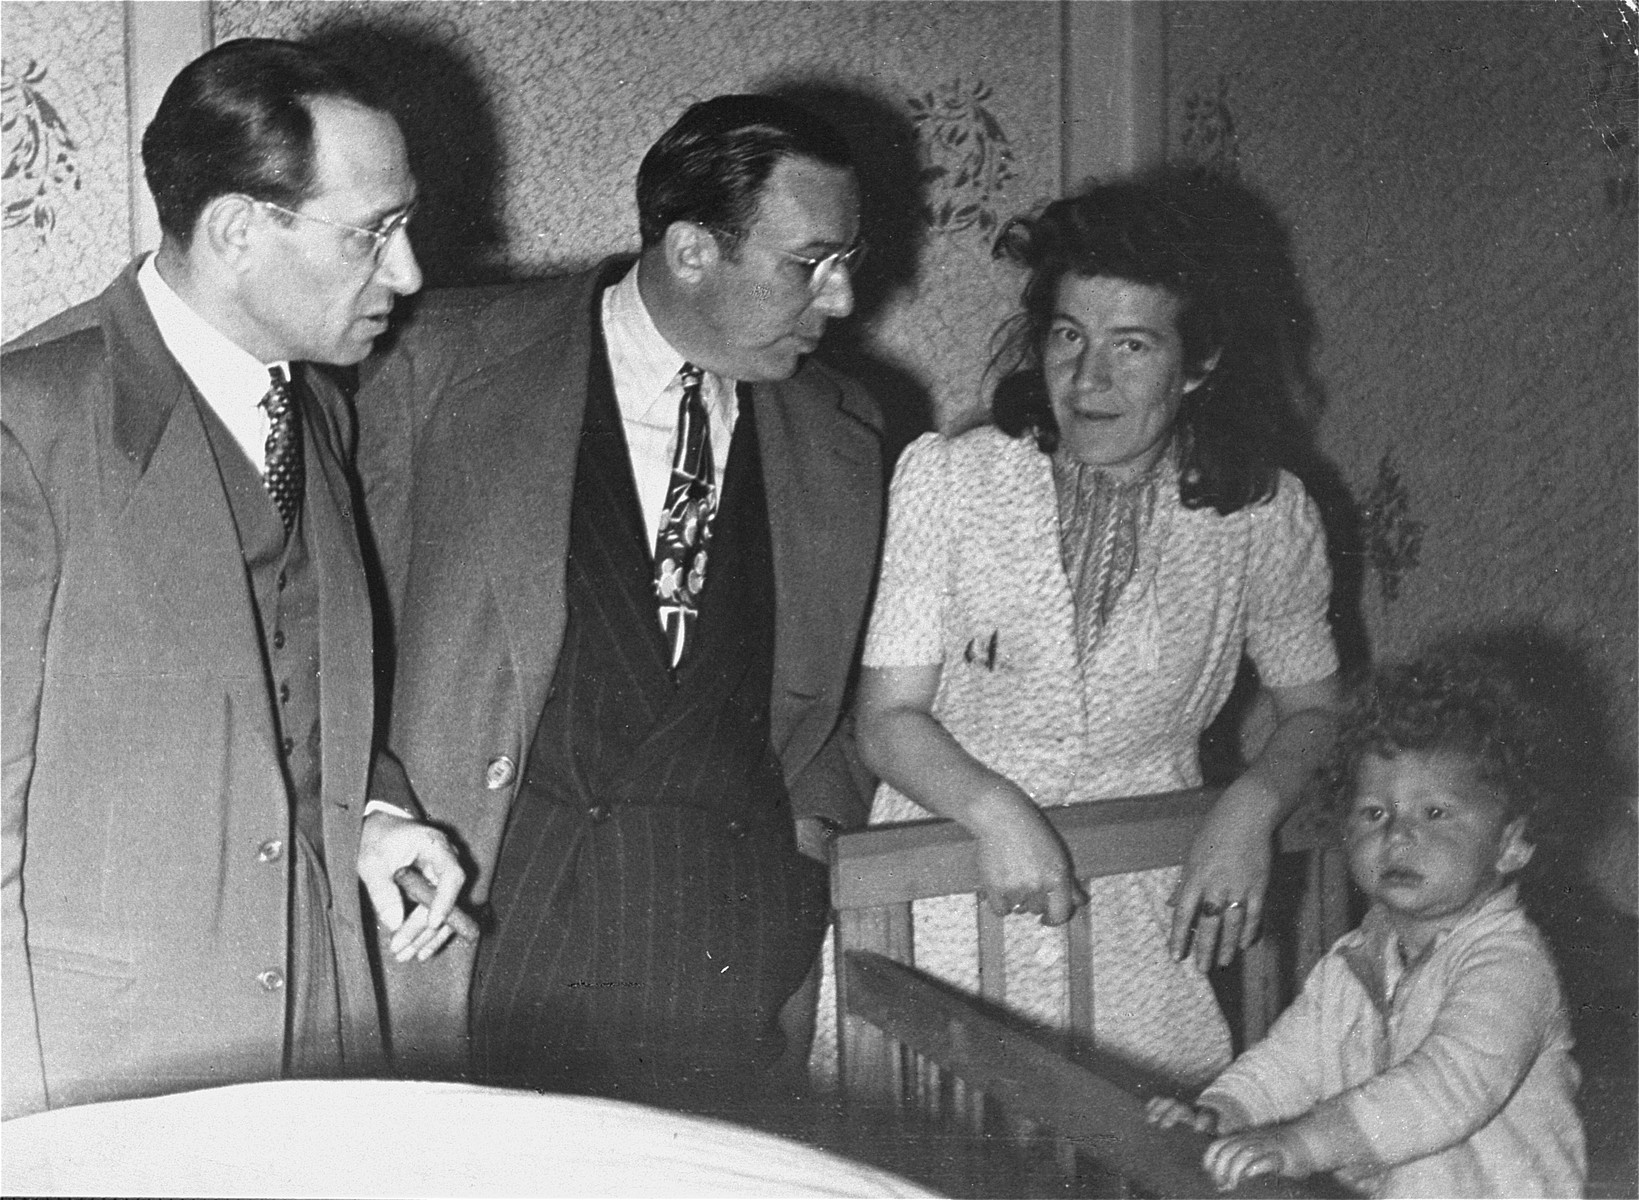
(237, 120)
(711, 165)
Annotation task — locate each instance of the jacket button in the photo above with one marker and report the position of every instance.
(737, 828)
(499, 773)
(284, 693)
(599, 813)
(278, 639)
(270, 850)
(271, 981)
(288, 745)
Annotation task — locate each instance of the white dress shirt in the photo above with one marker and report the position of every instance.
(231, 380)
(644, 368)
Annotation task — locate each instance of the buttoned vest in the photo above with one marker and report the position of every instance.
(284, 584)
(619, 728)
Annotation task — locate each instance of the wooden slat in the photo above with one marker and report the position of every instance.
(1080, 955)
(1103, 1118)
(892, 864)
(870, 1062)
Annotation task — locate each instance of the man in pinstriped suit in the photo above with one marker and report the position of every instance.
(651, 910)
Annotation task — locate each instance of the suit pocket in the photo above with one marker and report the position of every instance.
(84, 999)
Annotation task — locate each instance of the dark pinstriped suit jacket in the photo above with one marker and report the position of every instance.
(469, 427)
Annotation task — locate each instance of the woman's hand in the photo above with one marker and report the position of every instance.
(1219, 900)
(1023, 863)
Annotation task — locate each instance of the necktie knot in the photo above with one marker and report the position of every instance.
(283, 474)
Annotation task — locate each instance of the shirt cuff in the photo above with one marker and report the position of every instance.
(381, 806)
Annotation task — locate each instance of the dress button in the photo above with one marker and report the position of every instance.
(284, 693)
(499, 773)
(599, 813)
(270, 850)
(278, 639)
(271, 981)
(737, 828)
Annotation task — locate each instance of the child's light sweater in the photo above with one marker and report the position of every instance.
(1456, 1069)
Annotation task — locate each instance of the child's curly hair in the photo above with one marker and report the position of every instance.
(1471, 696)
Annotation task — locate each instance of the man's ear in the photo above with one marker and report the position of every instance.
(1207, 367)
(691, 250)
(1516, 849)
(228, 227)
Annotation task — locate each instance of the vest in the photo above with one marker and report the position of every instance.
(284, 584)
(619, 728)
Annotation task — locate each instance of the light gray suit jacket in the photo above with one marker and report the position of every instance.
(142, 783)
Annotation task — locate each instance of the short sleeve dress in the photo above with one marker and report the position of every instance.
(973, 580)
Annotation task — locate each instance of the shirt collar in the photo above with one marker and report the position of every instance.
(644, 364)
(224, 372)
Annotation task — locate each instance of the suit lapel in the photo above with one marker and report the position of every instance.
(821, 472)
(519, 429)
(346, 697)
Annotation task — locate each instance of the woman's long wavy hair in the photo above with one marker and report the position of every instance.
(1186, 231)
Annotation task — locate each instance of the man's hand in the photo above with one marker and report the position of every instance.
(386, 843)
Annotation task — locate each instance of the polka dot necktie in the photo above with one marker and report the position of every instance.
(685, 525)
(283, 453)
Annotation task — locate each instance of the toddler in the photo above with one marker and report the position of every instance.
(1429, 1053)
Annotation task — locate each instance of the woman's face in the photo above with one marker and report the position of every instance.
(1114, 364)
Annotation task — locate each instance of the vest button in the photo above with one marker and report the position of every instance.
(499, 773)
(271, 981)
(599, 813)
(737, 828)
(270, 850)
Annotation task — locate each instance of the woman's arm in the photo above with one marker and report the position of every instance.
(1023, 864)
(1229, 860)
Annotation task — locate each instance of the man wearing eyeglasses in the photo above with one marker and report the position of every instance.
(190, 798)
(630, 527)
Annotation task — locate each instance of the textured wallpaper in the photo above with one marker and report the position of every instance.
(1460, 183)
(528, 122)
(67, 175)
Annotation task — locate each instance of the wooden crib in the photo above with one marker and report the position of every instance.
(914, 1044)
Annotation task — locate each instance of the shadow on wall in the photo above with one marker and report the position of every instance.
(885, 157)
(1274, 343)
(445, 114)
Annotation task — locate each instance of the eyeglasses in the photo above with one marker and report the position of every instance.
(821, 269)
(360, 243)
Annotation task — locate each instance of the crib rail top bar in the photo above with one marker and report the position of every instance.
(895, 864)
(1100, 1109)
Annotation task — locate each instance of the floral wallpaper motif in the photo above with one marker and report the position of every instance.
(1392, 540)
(67, 184)
(968, 157)
(41, 156)
(1208, 136)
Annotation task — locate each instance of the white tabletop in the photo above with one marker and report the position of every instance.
(381, 1138)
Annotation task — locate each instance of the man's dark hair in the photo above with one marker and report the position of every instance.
(236, 119)
(710, 167)
(1176, 229)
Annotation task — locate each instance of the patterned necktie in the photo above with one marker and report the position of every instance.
(685, 525)
(283, 454)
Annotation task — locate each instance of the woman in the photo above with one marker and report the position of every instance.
(1065, 599)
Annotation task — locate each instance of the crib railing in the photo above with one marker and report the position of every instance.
(909, 1040)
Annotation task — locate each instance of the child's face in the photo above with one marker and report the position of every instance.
(1428, 840)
